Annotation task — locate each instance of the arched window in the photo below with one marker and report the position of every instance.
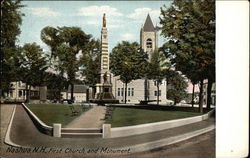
(149, 43)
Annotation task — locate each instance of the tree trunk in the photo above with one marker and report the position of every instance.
(26, 93)
(201, 97)
(72, 92)
(146, 89)
(157, 92)
(193, 96)
(28, 99)
(126, 84)
(175, 101)
(209, 88)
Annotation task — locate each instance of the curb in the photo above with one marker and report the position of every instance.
(169, 141)
(40, 125)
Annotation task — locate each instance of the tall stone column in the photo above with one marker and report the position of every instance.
(104, 88)
(105, 52)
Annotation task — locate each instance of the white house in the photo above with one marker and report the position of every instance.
(80, 93)
(17, 92)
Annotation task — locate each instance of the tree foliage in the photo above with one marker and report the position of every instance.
(55, 83)
(157, 69)
(11, 19)
(177, 92)
(33, 66)
(189, 27)
(91, 62)
(66, 43)
(129, 62)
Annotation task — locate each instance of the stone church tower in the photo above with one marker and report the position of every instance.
(148, 37)
(148, 42)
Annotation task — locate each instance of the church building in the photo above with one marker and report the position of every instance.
(142, 89)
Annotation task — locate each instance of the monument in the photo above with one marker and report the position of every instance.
(104, 88)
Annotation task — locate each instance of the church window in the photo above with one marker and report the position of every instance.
(128, 91)
(122, 92)
(118, 93)
(159, 92)
(155, 93)
(149, 43)
(132, 91)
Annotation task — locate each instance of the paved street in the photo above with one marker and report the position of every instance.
(25, 133)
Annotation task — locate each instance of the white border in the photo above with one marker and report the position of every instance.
(232, 77)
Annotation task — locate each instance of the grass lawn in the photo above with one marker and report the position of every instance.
(55, 113)
(123, 116)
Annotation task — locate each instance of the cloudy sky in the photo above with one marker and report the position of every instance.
(124, 19)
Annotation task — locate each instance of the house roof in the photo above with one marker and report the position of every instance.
(78, 89)
(148, 25)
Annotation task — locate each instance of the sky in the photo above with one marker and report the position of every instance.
(124, 18)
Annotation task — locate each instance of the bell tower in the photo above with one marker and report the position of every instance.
(148, 37)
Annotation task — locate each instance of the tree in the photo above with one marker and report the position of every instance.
(91, 62)
(179, 86)
(34, 64)
(189, 27)
(66, 43)
(11, 19)
(157, 69)
(55, 84)
(129, 62)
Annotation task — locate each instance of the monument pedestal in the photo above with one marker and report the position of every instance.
(104, 94)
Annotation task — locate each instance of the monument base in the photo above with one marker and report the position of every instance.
(104, 95)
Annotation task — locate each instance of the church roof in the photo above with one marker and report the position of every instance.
(148, 25)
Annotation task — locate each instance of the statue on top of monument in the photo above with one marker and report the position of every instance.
(104, 20)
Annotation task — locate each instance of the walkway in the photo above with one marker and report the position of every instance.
(90, 119)
(6, 112)
(24, 132)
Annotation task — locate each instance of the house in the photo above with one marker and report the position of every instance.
(18, 93)
(80, 93)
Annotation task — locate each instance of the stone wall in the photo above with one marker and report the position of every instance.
(157, 126)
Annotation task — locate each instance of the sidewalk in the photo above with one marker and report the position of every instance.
(6, 112)
(90, 119)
